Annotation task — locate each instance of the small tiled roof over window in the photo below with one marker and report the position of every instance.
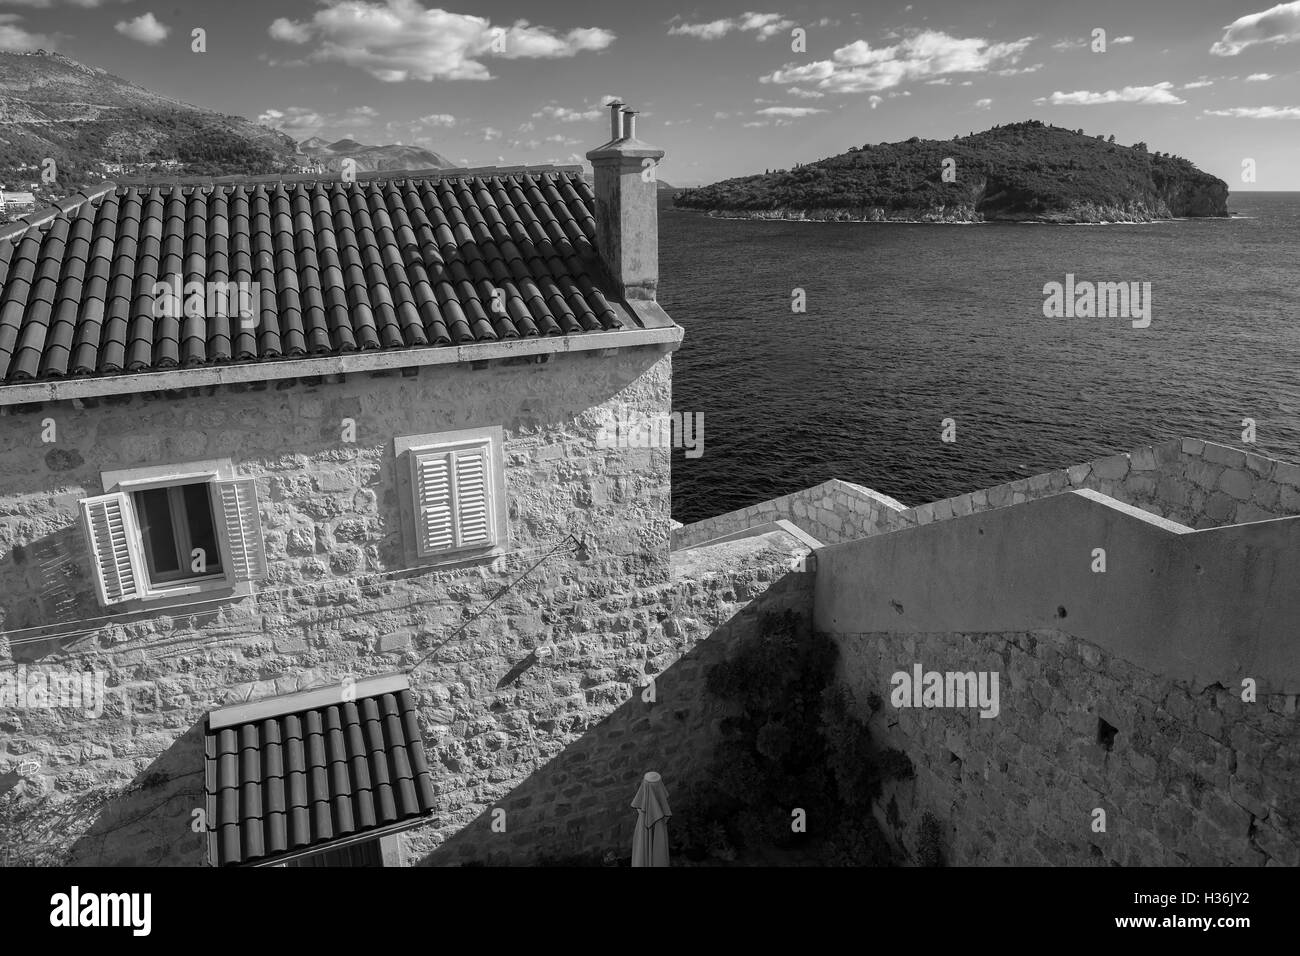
(393, 263)
(303, 772)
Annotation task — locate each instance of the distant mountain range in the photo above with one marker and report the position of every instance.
(52, 107)
(1021, 172)
(371, 158)
(98, 126)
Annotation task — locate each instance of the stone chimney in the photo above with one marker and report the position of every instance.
(627, 215)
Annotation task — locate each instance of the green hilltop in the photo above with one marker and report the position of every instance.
(1026, 171)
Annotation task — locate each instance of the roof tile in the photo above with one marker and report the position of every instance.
(286, 783)
(385, 264)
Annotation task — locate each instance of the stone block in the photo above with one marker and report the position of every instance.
(1287, 473)
(1223, 455)
(1192, 446)
(1205, 474)
(1260, 465)
(1251, 512)
(1220, 507)
(1111, 469)
(1237, 483)
(1143, 459)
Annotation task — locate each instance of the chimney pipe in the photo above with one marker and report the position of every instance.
(627, 211)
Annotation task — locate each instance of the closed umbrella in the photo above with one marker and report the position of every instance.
(650, 839)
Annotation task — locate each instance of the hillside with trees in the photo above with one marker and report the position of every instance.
(1026, 171)
(83, 118)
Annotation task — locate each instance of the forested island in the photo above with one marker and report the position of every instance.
(1022, 172)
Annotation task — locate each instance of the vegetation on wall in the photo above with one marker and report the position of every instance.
(795, 744)
(929, 841)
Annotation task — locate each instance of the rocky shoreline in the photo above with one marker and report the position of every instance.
(1089, 214)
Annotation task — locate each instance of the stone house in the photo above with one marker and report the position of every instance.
(299, 480)
(14, 204)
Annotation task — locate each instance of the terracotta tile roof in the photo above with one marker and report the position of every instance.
(385, 263)
(286, 783)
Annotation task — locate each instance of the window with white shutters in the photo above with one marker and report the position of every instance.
(453, 490)
(243, 527)
(110, 532)
(168, 536)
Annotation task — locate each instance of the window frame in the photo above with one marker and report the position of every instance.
(127, 481)
(180, 531)
(406, 453)
(186, 587)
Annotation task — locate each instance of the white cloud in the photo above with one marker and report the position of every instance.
(297, 121)
(858, 67)
(490, 133)
(703, 31)
(564, 114)
(289, 31)
(528, 42)
(1014, 71)
(1074, 43)
(14, 38)
(1159, 94)
(398, 40)
(875, 100)
(1259, 77)
(47, 4)
(438, 119)
(805, 94)
(144, 28)
(789, 112)
(763, 25)
(755, 123)
(983, 104)
(1197, 84)
(1279, 24)
(1258, 112)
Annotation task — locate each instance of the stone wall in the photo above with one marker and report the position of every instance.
(831, 512)
(1184, 777)
(1196, 483)
(576, 806)
(123, 788)
(1199, 484)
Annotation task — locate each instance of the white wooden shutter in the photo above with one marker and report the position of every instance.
(110, 529)
(473, 507)
(243, 525)
(431, 484)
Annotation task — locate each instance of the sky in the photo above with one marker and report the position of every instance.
(726, 89)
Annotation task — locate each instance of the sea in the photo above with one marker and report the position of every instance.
(908, 330)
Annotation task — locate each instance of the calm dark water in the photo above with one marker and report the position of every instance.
(909, 324)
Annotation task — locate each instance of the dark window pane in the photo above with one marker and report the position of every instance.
(198, 513)
(155, 516)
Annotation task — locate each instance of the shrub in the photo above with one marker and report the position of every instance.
(796, 742)
(929, 844)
